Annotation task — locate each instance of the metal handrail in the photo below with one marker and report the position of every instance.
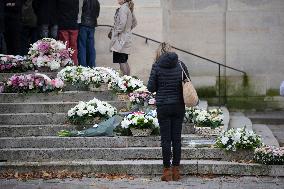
(184, 51)
(198, 56)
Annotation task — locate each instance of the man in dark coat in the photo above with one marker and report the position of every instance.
(67, 23)
(13, 25)
(2, 28)
(89, 11)
(46, 11)
(29, 33)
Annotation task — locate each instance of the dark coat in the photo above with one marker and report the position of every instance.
(29, 16)
(46, 11)
(2, 22)
(166, 80)
(68, 14)
(90, 12)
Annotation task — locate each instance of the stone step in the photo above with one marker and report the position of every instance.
(146, 167)
(32, 130)
(239, 120)
(266, 134)
(47, 130)
(88, 142)
(47, 107)
(188, 128)
(33, 119)
(266, 117)
(203, 104)
(277, 131)
(113, 154)
(69, 96)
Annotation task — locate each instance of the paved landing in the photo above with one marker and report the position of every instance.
(148, 183)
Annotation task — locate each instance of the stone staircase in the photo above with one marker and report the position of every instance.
(29, 124)
(269, 123)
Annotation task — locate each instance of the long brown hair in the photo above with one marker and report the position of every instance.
(130, 4)
(163, 49)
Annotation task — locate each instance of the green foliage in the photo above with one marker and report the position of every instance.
(64, 133)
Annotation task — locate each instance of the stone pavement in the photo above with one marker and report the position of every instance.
(191, 182)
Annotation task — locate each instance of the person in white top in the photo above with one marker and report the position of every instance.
(282, 89)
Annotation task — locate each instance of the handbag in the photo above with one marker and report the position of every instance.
(189, 93)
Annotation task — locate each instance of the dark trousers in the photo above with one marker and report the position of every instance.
(86, 46)
(170, 119)
(46, 31)
(29, 36)
(3, 49)
(13, 28)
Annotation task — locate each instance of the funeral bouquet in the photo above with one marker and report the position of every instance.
(33, 83)
(50, 53)
(237, 139)
(269, 155)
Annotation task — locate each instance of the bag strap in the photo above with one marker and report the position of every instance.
(183, 72)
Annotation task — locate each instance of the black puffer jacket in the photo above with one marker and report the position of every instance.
(166, 80)
(89, 13)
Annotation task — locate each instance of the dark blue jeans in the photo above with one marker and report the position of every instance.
(86, 46)
(170, 119)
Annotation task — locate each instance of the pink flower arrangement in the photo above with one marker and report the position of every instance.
(50, 53)
(142, 98)
(32, 83)
(14, 64)
(269, 155)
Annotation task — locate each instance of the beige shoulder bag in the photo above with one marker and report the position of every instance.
(189, 93)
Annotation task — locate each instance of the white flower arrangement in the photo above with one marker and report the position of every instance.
(203, 118)
(50, 53)
(237, 139)
(85, 75)
(141, 120)
(88, 111)
(75, 74)
(102, 75)
(269, 155)
(126, 84)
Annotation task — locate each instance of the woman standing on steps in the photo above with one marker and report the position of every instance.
(121, 42)
(166, 80)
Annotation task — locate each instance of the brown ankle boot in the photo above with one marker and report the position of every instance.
(176, 174)
(167, 175)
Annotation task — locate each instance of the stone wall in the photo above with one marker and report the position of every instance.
(245, 34)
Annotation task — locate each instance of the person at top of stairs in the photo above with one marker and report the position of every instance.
(166, 80)
(120, 45)
(68, 26)
(282, 89)
(89, 11)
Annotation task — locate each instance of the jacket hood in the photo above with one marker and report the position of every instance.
(168, 60)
